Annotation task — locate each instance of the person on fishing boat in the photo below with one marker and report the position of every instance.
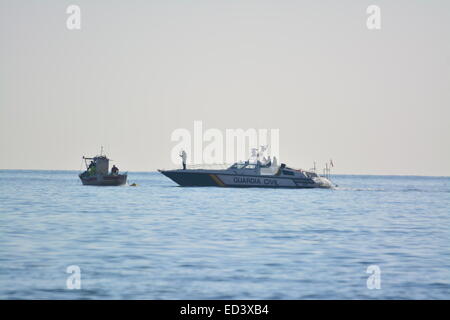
(92, 168)
(114, 170)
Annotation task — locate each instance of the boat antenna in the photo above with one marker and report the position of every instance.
(101, 151)
(331, 166)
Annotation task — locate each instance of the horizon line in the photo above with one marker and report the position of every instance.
(336, 174)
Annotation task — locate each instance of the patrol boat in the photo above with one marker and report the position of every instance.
(97, 173)
(251, 173)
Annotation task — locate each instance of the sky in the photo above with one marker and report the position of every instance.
(374, 101)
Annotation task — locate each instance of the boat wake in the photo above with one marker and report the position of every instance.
(357, 189)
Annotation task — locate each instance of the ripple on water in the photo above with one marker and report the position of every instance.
(160, 241)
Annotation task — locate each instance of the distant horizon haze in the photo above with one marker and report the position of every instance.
(332, 173)
(377, 102)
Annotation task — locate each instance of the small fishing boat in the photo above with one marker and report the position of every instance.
(97, 173)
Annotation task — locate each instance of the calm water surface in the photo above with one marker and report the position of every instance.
(160, 241)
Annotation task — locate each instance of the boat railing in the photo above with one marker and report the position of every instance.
(210, 166)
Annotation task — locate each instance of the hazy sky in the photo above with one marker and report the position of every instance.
(376, 102)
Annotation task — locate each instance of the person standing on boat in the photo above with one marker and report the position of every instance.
(114, 169)
(274, 162)
(183, 156)
(268, 162)
(91, 169)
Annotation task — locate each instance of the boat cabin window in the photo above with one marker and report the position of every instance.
(237, 166)
(288, 173)
(243, 166)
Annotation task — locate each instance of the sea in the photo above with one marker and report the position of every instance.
(371, 237)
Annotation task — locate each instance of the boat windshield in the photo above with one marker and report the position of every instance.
(237, 166)
(243, 166)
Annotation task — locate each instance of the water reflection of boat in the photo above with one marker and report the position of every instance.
(97, 173)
